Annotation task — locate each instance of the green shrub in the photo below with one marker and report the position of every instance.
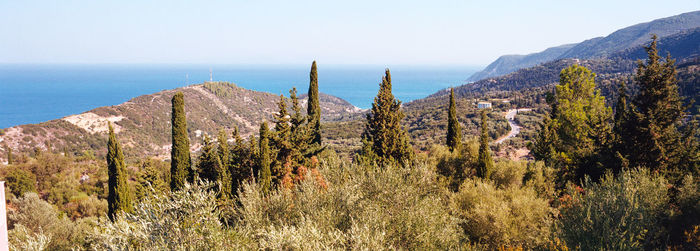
(187, 219)
(454, 167)
(508, 173)
(512, 216)
(20, 181)
(33, 217)
(360, 208)
(616, 214)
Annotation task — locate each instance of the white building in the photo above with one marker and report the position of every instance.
(484, 105)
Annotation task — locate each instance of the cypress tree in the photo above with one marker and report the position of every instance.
(10, 158)
(454, 130)
(384, 139)
(180, 161)
(283, 135)
(313, 110)
(299, 130)
(118, 198)
(264, 159)
(657, 110)
(484, 165)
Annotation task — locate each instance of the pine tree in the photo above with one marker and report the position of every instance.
(484, 165)
(313, 110)
(454, 130)
(180, 162)
(657, 110)
(264, 159)
(211, 168)
(118, 198)
(384, 139)
(243, 161)
(622, 139)
(577, 137)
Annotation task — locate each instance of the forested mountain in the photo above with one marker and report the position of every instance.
(509, 63)
(143, 123)
(600, 47)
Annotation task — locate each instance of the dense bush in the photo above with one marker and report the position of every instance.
(390, 208)
(20, 181)
(616, 214)
(187, 219)
(513, 216)
(34, 223)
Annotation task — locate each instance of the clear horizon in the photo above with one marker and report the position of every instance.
(295, 33)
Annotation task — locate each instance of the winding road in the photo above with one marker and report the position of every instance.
(514, 127)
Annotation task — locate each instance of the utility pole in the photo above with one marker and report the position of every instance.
(211, 75)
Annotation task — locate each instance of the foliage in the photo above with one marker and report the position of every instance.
(210, 168)
(360, 208)
(313, 110)
(616, 214)
(484, 164)
(20, 181)
(186, 219)
(454, 167)
(655, 113)
(264, 158)
(180, 162)
(384, 140)
(454, 130)
(578, 130)
(512, 216)
(34, 222)
(118, 198)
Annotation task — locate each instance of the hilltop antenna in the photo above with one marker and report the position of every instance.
(211, 75)
(187, 78)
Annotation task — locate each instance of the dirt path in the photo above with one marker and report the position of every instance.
(514, 127)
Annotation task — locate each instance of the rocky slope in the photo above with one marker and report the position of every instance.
(143, 123)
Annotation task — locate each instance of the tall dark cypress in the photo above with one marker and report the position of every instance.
(484, 164)
(264, 158)
(658, 108)
(118, 198)
(180, 161)
(313, 110)
(454, 130)
(299, 130)
(384, 140)
(10, 158)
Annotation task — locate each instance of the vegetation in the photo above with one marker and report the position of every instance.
(180, 162)
(314, 109)
(384, 141)
(119, 198)
(277, 190)
(484, 164)
(454, 129)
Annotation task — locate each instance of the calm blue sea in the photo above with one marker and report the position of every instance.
(37, 93)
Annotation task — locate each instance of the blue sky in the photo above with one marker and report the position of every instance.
(296, 32)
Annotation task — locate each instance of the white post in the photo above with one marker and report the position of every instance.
(4, 244)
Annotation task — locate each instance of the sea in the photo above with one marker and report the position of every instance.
(34, 93)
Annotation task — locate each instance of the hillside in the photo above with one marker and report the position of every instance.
(510, 63)
(143, 123)
(600, 47)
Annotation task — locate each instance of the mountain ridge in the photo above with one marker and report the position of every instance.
(598, 47)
